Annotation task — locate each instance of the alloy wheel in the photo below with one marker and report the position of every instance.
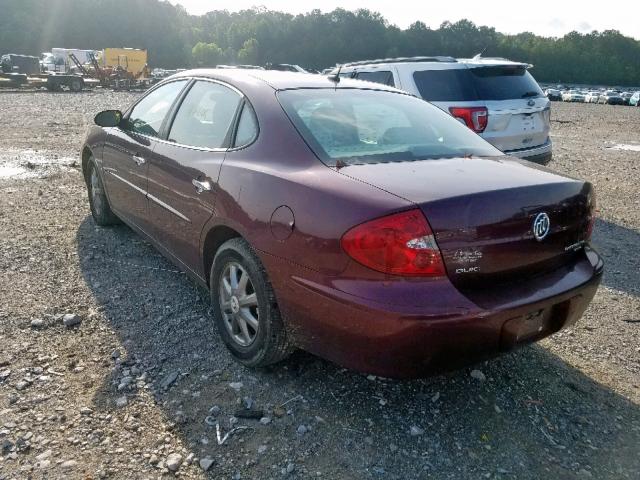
(239, 304)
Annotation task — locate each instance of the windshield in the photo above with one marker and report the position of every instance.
(357, 126)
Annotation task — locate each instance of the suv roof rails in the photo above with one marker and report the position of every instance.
(401, 60)
(478, 57)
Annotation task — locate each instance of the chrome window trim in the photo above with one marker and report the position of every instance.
(167, 207)
(135, 187)
(149, 196)
(243, 97)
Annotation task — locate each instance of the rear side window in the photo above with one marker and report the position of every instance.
(480, 83)
(147, 116)
(445, 85)
(204, 118)
(247, 127)
(384, 77)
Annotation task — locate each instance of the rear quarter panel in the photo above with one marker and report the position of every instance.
(279, 169)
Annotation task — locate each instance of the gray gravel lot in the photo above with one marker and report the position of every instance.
(135, 390)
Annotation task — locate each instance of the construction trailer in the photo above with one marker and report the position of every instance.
(24, 64)
(118, 68)
(132, 60)
(59, 59)
(21, 70)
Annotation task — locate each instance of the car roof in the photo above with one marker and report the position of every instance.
(279, 80)
(442, 62)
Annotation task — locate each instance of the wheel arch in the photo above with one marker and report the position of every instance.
(213, 239)
(86, 155)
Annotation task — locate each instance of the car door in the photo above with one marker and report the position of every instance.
(184, 170)
(127, 149)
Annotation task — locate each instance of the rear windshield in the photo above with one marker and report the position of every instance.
(479, 83)
(357, 126)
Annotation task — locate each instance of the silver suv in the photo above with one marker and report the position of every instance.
(495, 97)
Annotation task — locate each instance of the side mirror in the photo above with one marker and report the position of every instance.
(108, 118)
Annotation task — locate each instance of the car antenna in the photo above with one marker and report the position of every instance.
(335, 78)
(479, 55)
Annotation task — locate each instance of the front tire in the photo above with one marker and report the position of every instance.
(98, 201)
(244, 307)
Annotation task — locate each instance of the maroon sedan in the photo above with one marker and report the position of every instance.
(345, 218)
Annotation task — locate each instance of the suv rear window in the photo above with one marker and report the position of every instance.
(478, 83)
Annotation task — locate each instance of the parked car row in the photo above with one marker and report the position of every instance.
(610, 97)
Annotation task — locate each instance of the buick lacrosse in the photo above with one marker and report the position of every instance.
(345, 218)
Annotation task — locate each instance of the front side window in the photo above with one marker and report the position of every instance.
(384, 77)
(147, 116)
(204, 118)
(354, 126)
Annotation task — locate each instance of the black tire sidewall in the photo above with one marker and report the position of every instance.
(258, 350)
(103, 216)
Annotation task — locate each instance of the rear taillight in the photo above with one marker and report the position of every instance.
(473, 117)
(592, 214)
(399, 244)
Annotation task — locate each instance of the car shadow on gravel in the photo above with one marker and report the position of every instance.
(619, 247)
(534, 416)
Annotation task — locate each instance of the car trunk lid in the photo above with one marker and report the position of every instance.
(482, 212)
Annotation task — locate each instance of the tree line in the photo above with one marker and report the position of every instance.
(315, 40)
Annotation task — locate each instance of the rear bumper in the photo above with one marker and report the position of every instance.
(410, 341)
(541, 154)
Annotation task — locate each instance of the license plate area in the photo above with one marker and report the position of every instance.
(534, 325)
(529, 122)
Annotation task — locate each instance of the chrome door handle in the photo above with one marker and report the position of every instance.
(201, 186)
(139, 160)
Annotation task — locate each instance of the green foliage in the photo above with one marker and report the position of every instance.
(206, 54)
(248, 54)
(314, 40)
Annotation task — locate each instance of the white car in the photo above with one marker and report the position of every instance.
(573, 96)
(592, 97)
(495, 97)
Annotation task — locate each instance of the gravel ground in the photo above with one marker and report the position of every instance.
(110, 366)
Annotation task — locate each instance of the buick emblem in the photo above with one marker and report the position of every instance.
(531, 103)
(541, 226)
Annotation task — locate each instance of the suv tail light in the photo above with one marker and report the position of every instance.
(473, 117)
(398, 244)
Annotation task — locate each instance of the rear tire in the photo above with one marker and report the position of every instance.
(98, 201)
(244, 307)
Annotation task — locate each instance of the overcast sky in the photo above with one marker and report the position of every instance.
(544, 17)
